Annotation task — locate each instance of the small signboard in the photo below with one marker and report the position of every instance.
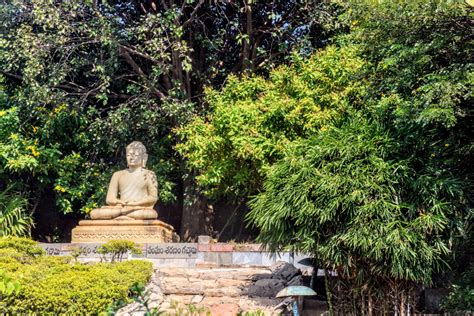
(171, 250)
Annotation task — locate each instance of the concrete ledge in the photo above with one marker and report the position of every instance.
(186, 255)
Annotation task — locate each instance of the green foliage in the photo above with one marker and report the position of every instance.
(339, 196)
(23, 246)
(7, 285)
(142, 297)
(117, 248)
(461, 297)
(189, 309)
(53, 285)
(14, 219)
(253, 120)
(76, 253)
(360, 154)
(107, 73)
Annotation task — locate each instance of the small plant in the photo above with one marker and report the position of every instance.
(142, 297)
(7, 285)
(117, 249)
(14, 218)
(76, 253)
(191, 310)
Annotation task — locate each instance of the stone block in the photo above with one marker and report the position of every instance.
(204, 247)
(221, 247)
(433, 299)
(248, 247)
(221, 258)
(230, 282)
(217, 300)
(247, 258)
(197, 299)
(204, 239)
(265, 288)
(230, 291)
(225, 309)
(180, 286)
(184, 299)
(206, 265)
(268, 258)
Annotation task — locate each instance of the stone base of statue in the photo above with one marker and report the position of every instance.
(139, 231)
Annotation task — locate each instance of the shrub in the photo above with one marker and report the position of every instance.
(54, 285)
(461, 298)
(23, 246)
(117, 248)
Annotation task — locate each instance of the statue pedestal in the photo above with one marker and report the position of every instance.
(139, 231)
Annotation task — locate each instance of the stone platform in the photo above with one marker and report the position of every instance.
(139, 231)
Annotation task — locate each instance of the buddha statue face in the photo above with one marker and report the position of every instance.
(136, 154)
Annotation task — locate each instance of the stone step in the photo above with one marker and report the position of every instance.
(218, 282)
(212, 273)
(182, 303)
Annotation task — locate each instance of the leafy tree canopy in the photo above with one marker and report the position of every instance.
(253, 120)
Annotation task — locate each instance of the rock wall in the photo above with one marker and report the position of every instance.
(220, 291)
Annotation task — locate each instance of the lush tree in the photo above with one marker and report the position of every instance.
(253, 120)
(377, 220)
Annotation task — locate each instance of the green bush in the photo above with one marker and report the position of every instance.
(461, 297)
(54, 285)
(118, 248)
(22, 246)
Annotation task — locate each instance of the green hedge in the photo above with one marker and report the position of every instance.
(56, 286)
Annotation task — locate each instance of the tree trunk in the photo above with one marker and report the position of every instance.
(247, 66)
(197, 213)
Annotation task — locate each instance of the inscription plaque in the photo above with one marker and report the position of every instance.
(52, 249)
(172, 250)
(152, 251)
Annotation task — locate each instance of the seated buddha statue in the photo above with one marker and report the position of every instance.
(132, 192)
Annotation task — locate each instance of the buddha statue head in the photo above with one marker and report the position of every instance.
(136, 154)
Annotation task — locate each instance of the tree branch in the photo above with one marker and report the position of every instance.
(191, 16)
(78, 90)
(135, 52)
(125, 54)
